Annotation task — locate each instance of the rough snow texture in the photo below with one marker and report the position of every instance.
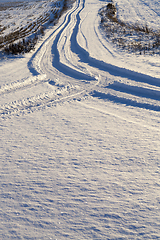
(143, 12)
(18, 14)
(80, 130)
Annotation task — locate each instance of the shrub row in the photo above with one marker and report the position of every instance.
(134, 38)
(10, 44)
(23, 46)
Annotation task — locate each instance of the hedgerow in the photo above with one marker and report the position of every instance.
(133, 38)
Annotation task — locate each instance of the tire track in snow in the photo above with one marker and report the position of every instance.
(40, 69)
(34, 103)
(103, 66)
(126, 101)
(56, 63)
(56, 55)
(36, 59)
(116, 71)
(124, 73)
(136, 90)
(14, 86)
(84, 57)
(37, 102)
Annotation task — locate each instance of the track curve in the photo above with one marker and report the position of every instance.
(67, 64)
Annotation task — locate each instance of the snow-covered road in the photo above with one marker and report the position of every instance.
(80, 130)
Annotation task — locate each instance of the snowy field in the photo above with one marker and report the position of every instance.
(80, 131)
(23, 18)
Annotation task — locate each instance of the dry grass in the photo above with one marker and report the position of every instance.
(11, 5)
(134, 38)
(25, 31)
(24, 39)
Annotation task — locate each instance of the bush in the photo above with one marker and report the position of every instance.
(23, 46)
(134, 38)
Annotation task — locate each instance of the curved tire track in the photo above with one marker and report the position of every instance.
(47, 60)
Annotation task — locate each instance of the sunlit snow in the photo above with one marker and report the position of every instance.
(80, 131)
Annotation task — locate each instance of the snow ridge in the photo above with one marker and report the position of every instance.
(22, 83)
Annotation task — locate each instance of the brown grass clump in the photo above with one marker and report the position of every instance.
(23, 39)
(133, 38)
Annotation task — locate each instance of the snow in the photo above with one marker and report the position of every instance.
(143, 12)
(80, 130)
(27, 11)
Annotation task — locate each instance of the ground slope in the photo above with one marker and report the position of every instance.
(80, 137)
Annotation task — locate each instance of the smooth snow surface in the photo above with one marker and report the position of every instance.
(142, 12)
(80, 134)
